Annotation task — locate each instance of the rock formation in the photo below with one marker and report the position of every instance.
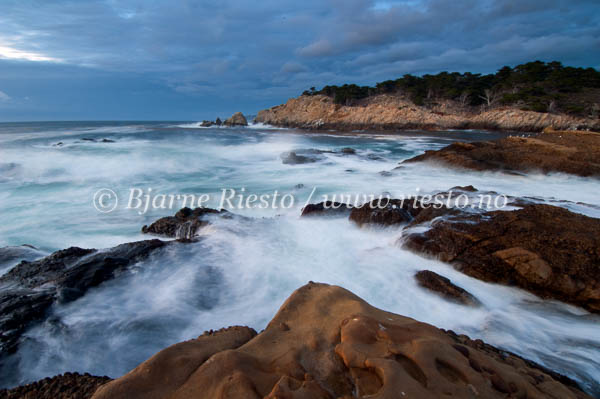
(394, 113)
(30, 288)
(184, 224)
(237, 119)
(327, 208)
(552, 151)
(325, 342)
(445, 288)
(544, 249)
(66, 386)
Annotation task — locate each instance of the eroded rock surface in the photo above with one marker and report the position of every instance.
(395, 113)
(576, 153)
(544, 249)
(325, 342)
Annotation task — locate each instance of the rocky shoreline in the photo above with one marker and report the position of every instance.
(546, 250)
(385, 112)
(570, 152)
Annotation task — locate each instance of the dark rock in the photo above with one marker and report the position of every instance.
(385, 173)
(206, 124)
(445, 288)
(291, 158)
(384, 212)
(10, 256)
(30, 288)
(66, 386)
(327, 208)
(184, 224)
(218, 122)
(544, 249)
(299, 186)
(348, 151)
(59, 144)
(88, 139)
(107, 141)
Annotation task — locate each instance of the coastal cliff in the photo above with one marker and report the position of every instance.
(386, 112)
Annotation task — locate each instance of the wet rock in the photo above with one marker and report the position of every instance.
(576, 153)
(325, 342)
(184, 224)
(218, 122)
(207, 123)
(544, 249)
(88, 139)
(237, 119)
(327, 208)
(348, 151)
(383, 212)
(65, 386)
(10, 256)
(299, 186)
(291, 158)
(445, 288)
(29, 289)
(107, 141)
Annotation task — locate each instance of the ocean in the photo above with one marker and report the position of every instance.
(53, 176)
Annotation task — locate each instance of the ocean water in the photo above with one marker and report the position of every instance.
(242, 269)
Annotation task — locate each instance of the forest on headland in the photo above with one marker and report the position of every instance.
(534, 86)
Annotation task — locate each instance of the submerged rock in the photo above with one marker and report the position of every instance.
(445, 288)
(544, 249)
(65, 386)
(30, 288)
(184, 224)
(237, 119)
(291, 158)
(576, 153)
(325, 342)
(327, 208)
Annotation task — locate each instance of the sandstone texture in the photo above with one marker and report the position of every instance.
(325, 342)
(544, 249)
(571, 152)
(385, 112)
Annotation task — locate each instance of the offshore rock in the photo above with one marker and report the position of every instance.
(237, 119)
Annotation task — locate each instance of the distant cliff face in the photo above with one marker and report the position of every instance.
(386, 112)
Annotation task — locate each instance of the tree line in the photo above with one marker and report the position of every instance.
(536, 86)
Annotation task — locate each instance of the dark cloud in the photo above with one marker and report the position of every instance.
(191, 58)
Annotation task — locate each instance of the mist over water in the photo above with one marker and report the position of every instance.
(242, 269)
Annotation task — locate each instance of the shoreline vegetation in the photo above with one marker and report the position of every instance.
(529, 98)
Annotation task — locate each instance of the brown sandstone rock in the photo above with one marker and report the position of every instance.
(327, 208)
(237, 119)
(445, 288)
(394, 113)
(569, 152)
(335, 345)
(543, 249)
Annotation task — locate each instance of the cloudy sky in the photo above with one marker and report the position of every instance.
(196, 59)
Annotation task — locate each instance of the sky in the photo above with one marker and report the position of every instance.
(199, 59)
